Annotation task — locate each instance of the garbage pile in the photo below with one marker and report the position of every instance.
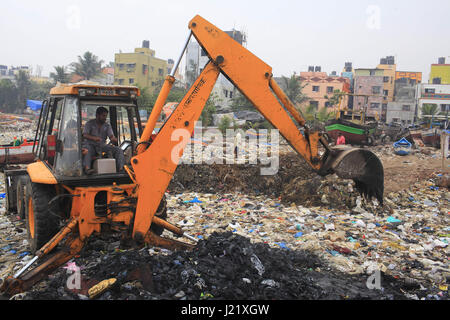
(292, 235)
(226, 266)
(14, 126)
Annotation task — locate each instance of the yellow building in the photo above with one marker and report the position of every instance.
(440, 73)
(389, 73)
(140, 67)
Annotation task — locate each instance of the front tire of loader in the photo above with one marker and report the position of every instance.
(42, 224)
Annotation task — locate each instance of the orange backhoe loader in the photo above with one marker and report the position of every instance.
(64, 206)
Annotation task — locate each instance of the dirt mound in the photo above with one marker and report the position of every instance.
(247, 178)
(295, 182)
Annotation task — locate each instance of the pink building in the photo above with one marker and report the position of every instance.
(317, 85)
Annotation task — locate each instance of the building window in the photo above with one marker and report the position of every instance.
(406, 107)
(231, 94)
(372, 72)
(429, 90)
(385, 92)
(121, 81)
(376, 90)
(327, 104)
(374, 105)
(395, 120)
(161, 72)
(315, 88)
(144, 69)
(384, 106)
(131, 81)
(330, 89)
(445, 107)
(436, 80)
(121, 66)
(314, 104)
(385, 79)
(225, 92)
(203, 53)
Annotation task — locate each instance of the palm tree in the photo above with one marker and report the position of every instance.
(60, 75)
(429, 109)
(324, 115)
(87, 66)
(293, 89)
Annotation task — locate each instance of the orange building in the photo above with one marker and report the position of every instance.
(317, 85)
(417, 76)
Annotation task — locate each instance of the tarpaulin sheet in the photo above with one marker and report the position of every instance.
(34, 104)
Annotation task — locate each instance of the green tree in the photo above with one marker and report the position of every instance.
(60, 75)
(224, 124)
(8, 96)
(324, 115)
(23, 85)
(429, 109)
(176, 94)
(240, 102)
(334, 100)
(293, 89)
(146, 100)
(39, 91)
(206, 116)
(88, 66)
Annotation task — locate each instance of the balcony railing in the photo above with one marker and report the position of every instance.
(436, 95)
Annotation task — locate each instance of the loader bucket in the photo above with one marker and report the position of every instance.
(361, 165)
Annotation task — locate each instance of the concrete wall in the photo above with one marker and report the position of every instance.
(400, 112)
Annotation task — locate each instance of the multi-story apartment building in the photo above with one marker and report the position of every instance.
(438, 94)
(317, 85)
(389, 73)
(10, 72)
(403, 108)
(140, 67)
(196, 59)
(368, 92)
(440, 72)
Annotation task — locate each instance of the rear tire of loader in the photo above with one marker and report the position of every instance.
(42, 224)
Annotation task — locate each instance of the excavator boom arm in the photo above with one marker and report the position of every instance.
(155, 166)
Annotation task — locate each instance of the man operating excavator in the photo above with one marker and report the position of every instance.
(95, 133)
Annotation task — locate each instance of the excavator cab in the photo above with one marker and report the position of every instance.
(62, 147)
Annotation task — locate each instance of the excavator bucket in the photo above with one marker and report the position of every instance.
(361, 165)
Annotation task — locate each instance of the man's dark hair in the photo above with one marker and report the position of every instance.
(101, 110)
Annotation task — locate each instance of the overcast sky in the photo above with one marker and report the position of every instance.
(288, 35)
